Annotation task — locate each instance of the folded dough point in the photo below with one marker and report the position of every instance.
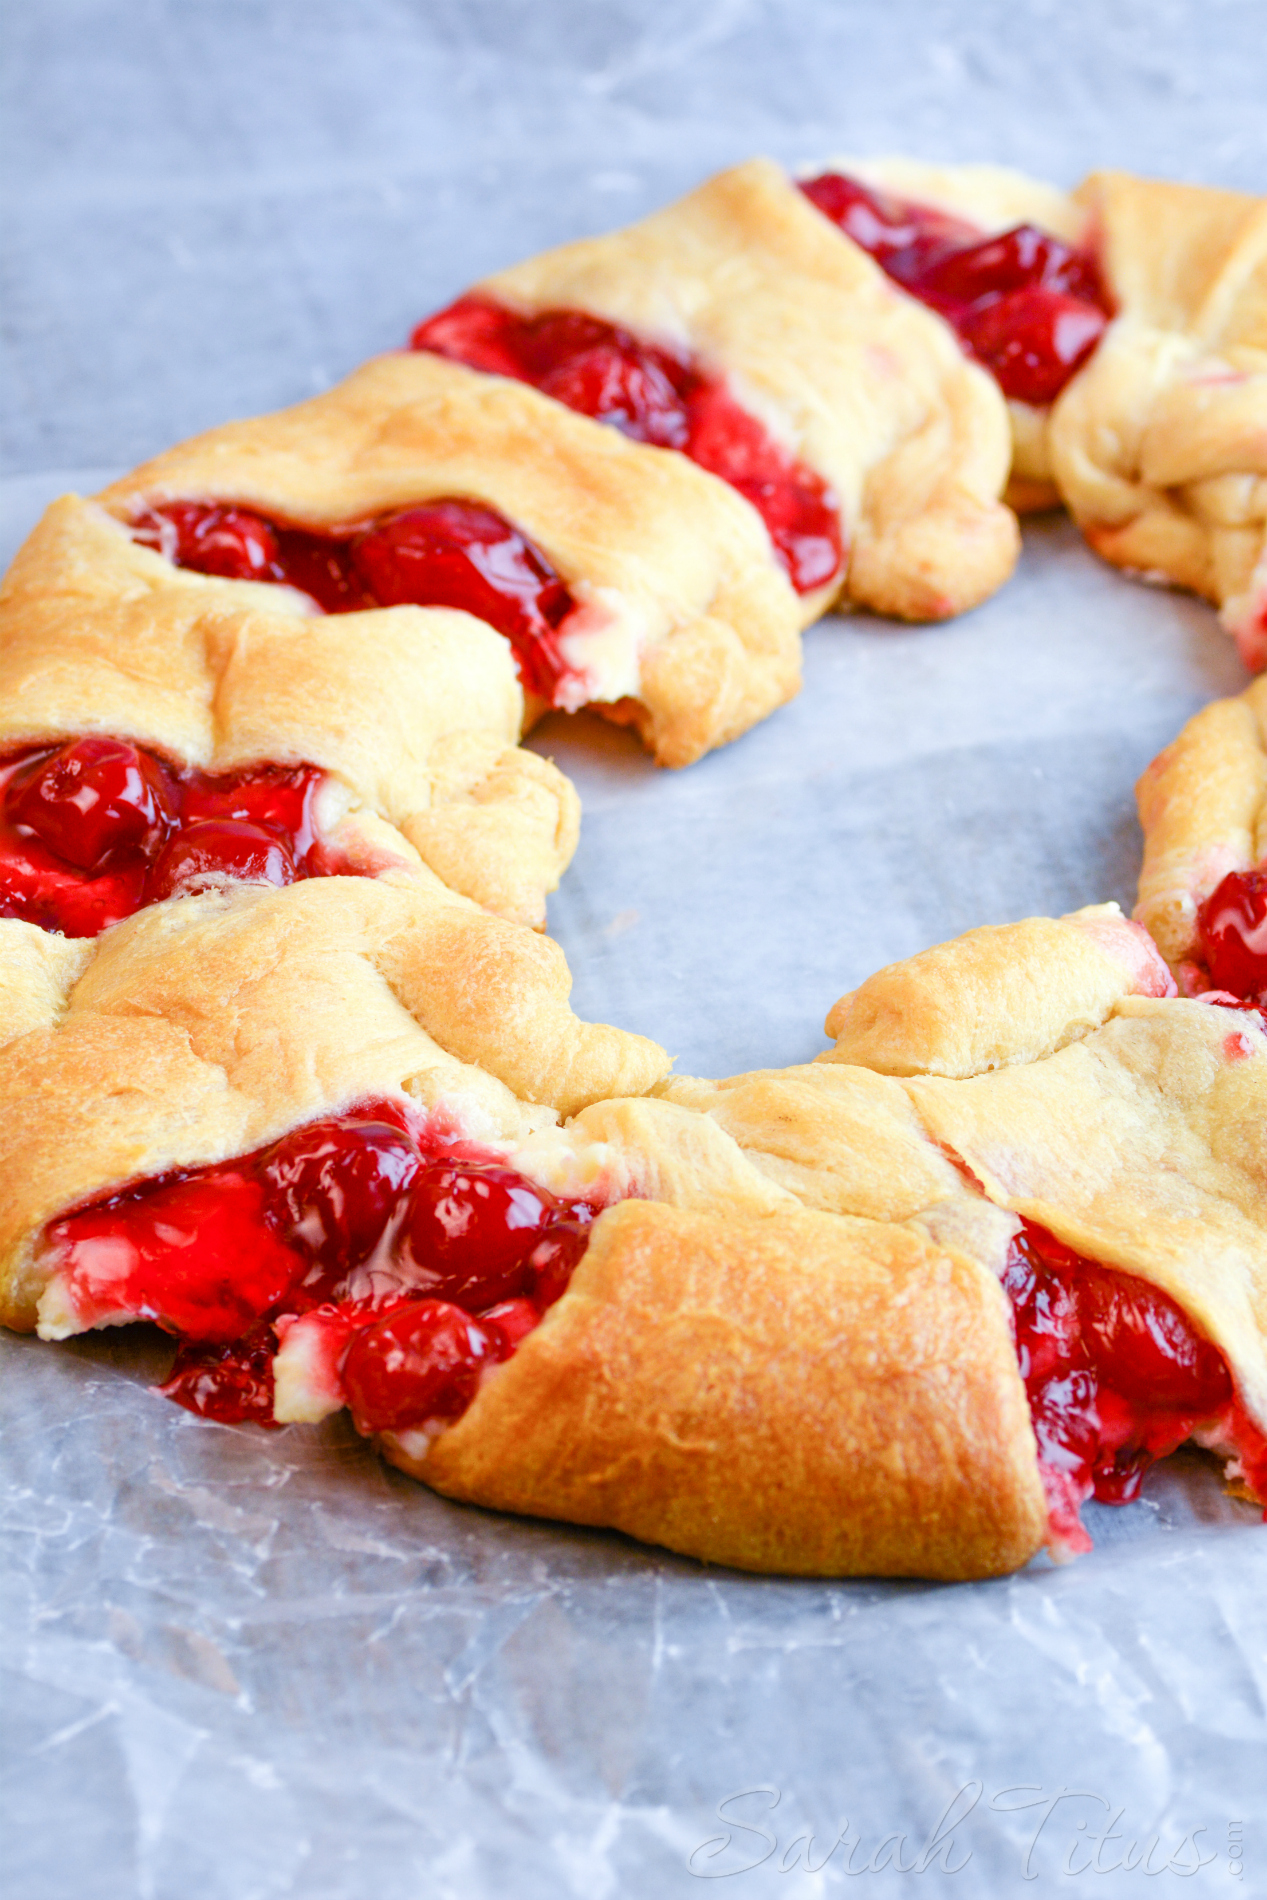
(799, 1394)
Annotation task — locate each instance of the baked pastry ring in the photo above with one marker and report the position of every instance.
(412, 713)
(684, 624)
(745, 279)
(837, 1281)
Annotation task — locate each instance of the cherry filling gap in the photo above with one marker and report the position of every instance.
(425, 1260)
(1027, 306)
(95, 829)
(442, 554)
(1117, 1377)
(1232, 932)
(653, 396)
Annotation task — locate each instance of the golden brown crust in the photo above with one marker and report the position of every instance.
(683, 604)
(205, 1026)
(856, 380)
(1159, 444)
(999, 995)
(803, 1394)
(414, 711)
(1203, 808)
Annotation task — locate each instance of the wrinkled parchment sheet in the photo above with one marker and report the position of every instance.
(242, 1664)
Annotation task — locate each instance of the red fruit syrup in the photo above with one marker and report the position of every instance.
(440, 554)
(1028, 306)
(1117, 1377)
(430, 1260)
(652, 395)
(95, 829)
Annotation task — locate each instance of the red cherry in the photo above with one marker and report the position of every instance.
(1033, 340)
(194, 1253)
(554, 1260)
(217, 851)
(472, 1229)
(630, 391)
(603, 371)
(232, 1384)
(1019, 259)
(1066, 1424)
(322, 566)
(514, 1320)
(422, 1362)
(1040, 1287)
(799, 510)
(93, 802)
(1233, 926)
(334, 1188)
(886, 226)
(34, 888)
(474, 331)
(212, 538)
(1141, 1343)
(280, 798)
(457, 554)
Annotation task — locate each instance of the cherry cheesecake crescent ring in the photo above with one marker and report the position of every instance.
(288, 1066)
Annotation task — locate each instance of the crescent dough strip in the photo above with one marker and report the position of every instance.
(1159, 444)
(414, 711)
(688, 622)
(860, 382)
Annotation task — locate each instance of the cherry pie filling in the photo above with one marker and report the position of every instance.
(1027, 306)
(446, 553)
(1232, 934)
(420, 1261)
(1117, 1377)
(656, 396)
(95, 829)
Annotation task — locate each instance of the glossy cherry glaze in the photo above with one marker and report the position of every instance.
(429, 1258)
(441, 554)
(655, 396)
(1028, 306)
(1117, 1376)
(1233, 929)
(95, 829)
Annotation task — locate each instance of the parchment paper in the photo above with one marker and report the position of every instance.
(244, 1664)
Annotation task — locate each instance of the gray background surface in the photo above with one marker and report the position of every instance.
(244, 1665)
